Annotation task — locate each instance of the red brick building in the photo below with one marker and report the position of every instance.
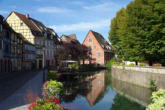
(101, 50)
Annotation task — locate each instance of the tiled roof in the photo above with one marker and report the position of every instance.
(69, 38)
(103, 43)
(27, 21)
(72, 36)
(39, 25)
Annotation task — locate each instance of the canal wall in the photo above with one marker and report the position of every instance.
(138, 94)
(140, 76)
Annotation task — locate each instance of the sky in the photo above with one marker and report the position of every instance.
(68, 16)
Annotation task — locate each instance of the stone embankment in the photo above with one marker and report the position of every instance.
(140, 75)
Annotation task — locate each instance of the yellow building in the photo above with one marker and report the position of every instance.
(31, 31)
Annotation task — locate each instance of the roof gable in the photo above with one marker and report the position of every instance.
(103, 43)
(27, 21)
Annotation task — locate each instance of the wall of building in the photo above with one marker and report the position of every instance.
(138, 77)
(20, 27)
(49, 52)
(29, 56)
(95, 48)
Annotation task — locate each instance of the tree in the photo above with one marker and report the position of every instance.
(72, 51)
(138, 31)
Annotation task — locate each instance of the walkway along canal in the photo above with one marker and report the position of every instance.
(27, 94)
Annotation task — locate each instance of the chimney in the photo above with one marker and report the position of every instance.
(27, 15)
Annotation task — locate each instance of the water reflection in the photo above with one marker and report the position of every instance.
(136, 93)
(97, 86)
(98, 90)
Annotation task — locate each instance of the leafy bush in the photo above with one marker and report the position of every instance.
(142, 64)
(74, 66)
(110, 63)
(157, 65)
(158, 101)
(52, 88)
(121, 64)
(51, 76)
(42, 104)
(88, 67)
(131, 64)
(153, 86)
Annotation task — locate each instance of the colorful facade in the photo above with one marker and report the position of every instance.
(29, 56)
(50, 48)
(26, 26)
(5, 42)
(36, 33)
(16, 51)
(101, 50)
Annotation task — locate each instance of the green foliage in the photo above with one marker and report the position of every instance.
(122, 103)
(110, 63)
(142, 64)
(41, 104)
(121, 64)
(153, 86)
(131, 64)
(74, 66)
(138, 33)
(89, 67)
(51, 76)
(158, 101)
(52, 88)
(157, 65)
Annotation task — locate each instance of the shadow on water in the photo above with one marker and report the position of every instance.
(98, 90)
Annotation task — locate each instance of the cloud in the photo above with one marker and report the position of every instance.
(77, 3)
(82, 26)
(3, 12)
(102, 7)
(54, 10)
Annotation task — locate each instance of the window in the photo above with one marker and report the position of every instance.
(38, 42)
(99, 62)
(94, 47)
(45, 35)
(41, 42)
(51, 36)
(45, 43)
(6, 48)
(0, 27)
(0, 44)
(90, 40)
(98, 54)
(21, 24)
(47, 53)
(7, 34)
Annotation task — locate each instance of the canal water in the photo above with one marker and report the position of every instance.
(100, 91)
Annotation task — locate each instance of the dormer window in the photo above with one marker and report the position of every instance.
(45, 35)
(102, 46)
(21, 24)
(51, 36)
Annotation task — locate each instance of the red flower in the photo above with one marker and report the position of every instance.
(56, 101)
(46, 83)
(32, 105)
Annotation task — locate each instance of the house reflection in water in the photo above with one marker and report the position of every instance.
(97, 86)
